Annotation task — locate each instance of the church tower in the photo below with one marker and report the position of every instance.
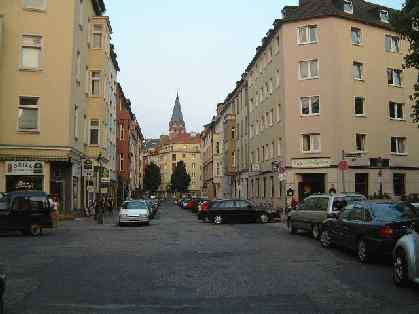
(176, 124)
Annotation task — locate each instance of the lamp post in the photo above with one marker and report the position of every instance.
(99, 194)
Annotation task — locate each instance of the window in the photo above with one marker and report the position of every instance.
(121, 132)
(310, 105)
(311, 143)
(173, 157)
(358, 71)
(348, 7)
(217, 147)
(392, 44)
(271, 85)
(95, 83)
(396, 111)
(233, 133)
(398, 145)
(399, 184)
(278, 148)
(394, 77)
(359, 106)
(97, 36)
(31, 52)
(94, 132)
(384, 16)
(309, 69)
(361, 142)
(356, 36)
(76, 122)
(78, 69)
(271, 117)
(308, 34)
(81, 13)
(121, 162)
(39, 5)
(28, 114)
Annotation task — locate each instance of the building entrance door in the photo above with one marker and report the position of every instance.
(361, 183)
(312, 183)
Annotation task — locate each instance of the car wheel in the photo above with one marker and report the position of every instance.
(263, 218)
(325, 240)
(35, 230)
(400, 269)
(315, 231)
(363, 254)
(290, 227)
(218, 220)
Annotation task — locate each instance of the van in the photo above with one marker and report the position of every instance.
(28, 212)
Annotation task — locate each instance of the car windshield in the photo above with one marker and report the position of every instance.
(396, 211)
(136, 205)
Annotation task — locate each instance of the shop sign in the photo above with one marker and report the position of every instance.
(311, 163)
(88, 168)
(24, 168)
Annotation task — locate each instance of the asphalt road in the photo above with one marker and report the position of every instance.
(180, 265)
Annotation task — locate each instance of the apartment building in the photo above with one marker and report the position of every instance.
(207, 156)
(43, 103)
(101, 89)
(229, 148)
(327, 84)
(136, 140)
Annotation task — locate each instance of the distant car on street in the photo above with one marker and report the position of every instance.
(231, 210)
(2, 288)
(134, 212)
(310, 214)
(28, 211)
(370, 228)
(406, 258)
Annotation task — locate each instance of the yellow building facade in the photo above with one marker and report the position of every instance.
(44, 106)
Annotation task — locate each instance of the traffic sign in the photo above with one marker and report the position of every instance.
(343, 165)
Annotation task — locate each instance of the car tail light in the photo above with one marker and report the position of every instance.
(386, 232)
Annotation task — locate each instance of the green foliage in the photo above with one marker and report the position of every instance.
(406, 22)
(152, 177)
(180, 179)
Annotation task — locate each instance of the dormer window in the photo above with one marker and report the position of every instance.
(348, 7)
(384, 16)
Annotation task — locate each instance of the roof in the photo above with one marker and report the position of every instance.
(184, 138)
(177, 115)
(151, 143)
(114, 58)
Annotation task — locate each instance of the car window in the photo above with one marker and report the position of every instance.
(309, 204)
(136, 205)
(242, 204)
(227, 204)
(357, 214)
(20, 203)
(354, 198)
(322, 203)
(388, 212)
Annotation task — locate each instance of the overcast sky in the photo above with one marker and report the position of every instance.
(197, 47)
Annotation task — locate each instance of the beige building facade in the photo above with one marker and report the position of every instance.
(43, 98)
(327, 85)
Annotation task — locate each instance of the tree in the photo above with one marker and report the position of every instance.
(152, 177)
(180, 180)
(406, 22)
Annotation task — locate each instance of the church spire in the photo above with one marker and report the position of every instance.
(177, 124)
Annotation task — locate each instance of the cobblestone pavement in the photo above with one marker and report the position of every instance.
(180, 265)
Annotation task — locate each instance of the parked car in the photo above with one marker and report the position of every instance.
(413, 199)
(134, 212)
(28, 211)
(2, 195)
(371, 228)
(2, 288)
(310, 214)
(235, 210)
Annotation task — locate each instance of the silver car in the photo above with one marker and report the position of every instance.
(310, 214)
(406, 257)
(134, 212)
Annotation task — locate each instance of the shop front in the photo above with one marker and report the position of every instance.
(24, 175)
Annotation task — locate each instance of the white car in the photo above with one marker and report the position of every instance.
(134, 212)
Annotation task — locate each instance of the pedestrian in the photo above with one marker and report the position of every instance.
(98, 206)
(109, 205)
(332, 189)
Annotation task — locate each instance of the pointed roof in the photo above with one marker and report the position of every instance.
(177, 115)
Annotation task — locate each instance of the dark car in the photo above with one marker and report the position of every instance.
(370, 228)
(235, 210)
(28, 212)
(2, 288)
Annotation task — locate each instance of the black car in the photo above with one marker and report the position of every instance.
(370, 228)
(222, 211)
(28, 212)
(2, 288)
